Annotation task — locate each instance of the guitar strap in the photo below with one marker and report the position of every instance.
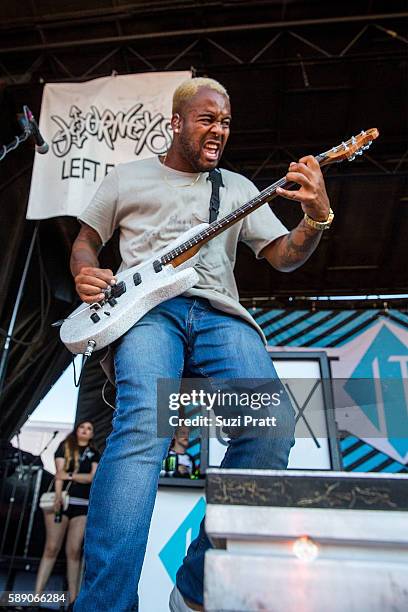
(216, 182)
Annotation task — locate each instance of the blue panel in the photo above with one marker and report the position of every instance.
(347, 442)
(393, 468)
(289, 318)
(399, 315)
(347, 328)
(173, 552)
(356, 454)
(314, 318)
(372, 463)
(364, 316)
(382, 347)
(267, 314)
(337, 318)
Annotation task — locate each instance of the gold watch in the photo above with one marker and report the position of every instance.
(320, 225)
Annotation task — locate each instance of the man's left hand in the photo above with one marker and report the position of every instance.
(312, 193)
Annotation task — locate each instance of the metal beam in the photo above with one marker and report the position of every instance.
(62, 66)
(400, 162)
(310, 44)
(100, 63)
(265, 48)
(118, 12)
(300, 302)
(205, 31)
(225, 51)
(141, 58)
(181, 54)
(225, 68)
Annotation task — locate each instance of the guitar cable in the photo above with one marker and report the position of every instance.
(88, 352)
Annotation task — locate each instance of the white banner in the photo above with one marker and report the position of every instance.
(92, 126)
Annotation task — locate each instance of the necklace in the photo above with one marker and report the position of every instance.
(166, 180)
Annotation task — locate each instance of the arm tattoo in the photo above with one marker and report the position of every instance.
(296, 247)
(85, 250)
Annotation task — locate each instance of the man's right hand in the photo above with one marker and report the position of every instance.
(90, 281)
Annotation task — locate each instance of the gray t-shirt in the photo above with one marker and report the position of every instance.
(152, 204)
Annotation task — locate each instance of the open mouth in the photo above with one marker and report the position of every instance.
(212, 150)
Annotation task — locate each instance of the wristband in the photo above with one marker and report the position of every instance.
(320, 225)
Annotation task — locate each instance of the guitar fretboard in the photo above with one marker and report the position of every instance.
(216, 227)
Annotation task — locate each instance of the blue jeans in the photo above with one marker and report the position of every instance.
(182, 335)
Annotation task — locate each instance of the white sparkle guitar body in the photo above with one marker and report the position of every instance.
(154, 288)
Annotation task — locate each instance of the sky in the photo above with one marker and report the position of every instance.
(59, 405)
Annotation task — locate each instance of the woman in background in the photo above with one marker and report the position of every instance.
(76, 460)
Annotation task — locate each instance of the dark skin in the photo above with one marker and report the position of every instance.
(201, 129)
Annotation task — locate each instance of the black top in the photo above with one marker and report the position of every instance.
(78, 489)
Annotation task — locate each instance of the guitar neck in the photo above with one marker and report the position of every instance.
(346, 150)
(217, 227)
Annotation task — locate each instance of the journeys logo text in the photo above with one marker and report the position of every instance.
(138, 124)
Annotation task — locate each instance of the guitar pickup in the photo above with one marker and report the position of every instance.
(137, 278)
(157, 265)
(118, 289)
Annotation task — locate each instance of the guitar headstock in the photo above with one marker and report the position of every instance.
(355, 146)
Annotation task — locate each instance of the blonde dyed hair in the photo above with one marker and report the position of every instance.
(189, 88)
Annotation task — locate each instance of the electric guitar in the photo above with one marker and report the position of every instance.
(171, 272)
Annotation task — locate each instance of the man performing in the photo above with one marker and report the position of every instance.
(204, 332)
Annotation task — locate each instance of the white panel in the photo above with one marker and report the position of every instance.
(173, 505)
(248, 583)
(305, 454)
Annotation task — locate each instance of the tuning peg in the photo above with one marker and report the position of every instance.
(351, 158)
(345, 147)
(353, 140)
